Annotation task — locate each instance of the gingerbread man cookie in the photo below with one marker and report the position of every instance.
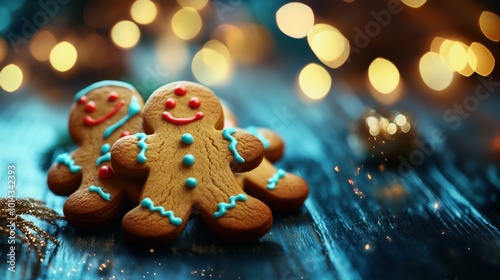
(188, 161)
(282, 191)
(102, 113)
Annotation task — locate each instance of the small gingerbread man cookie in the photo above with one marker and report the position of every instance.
(189, 161)
(102, 113)
(282, 191)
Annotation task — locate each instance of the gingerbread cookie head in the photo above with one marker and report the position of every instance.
(183, 103)
(102, 109)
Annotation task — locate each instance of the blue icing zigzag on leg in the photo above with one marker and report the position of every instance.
(104, 195)
(68, 160)
(148, 203)
(223, 206)
(227, 134)
(134, 108)
(273, 181)
(100, 84)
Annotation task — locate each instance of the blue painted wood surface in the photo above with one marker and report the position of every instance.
(438, 221)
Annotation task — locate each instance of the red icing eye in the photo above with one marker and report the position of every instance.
(90, 107)
(170, 103)
(82, 100)
(112, 96)
(180, 90)
(194, 103)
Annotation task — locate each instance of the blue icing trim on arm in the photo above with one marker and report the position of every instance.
(102, 84)
(104, 195)
(255, 132)
(134, 108)
(223, 207)
(227, 134)
(68, 160)
(273, 181)
(106, 155)
(148, 203)
(141, 157)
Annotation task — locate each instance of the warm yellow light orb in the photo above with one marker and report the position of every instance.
(143, 11)
(414, 3)
(490, 25)
(125, 34)
(481, 59)
(63, 56)
(11, 78)
(383, 75)
(295, 19)
(435, 72)
(314, 81)
(186, 23)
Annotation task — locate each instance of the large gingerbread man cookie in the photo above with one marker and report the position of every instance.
(102, 113)
(189, 161)
(282, 191)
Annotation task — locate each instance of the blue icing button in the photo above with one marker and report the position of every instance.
(191, 182)
(188, 160)
(187, 138)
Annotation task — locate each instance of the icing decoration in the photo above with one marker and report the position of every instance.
(90, 107)
(227, 134)
(188, 160)
(106, 155)
(273, 181)
(194, 103)
(88, 120)
(148, 203)
(133, 109)
(104, 195)
(187, 138)
(68, 160)
(223, 206)
(169, 118)
(170, 104)
(253, 130)
(141, 157)
(125, 133)
(107, 83)
(180, 90)
(106, 172)
(82, 100)
(191, 182)
(113, 96)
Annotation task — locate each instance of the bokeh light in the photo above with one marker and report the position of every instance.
(490, 25)
(41, 44)
(480, 59)
(186, 23)
(125, 34)
(196, 4)
(295, 19)
(414, 3)
(143, 11)
(11, 78)
(172, 53)
(314, 81)
(435, 73)
(94, 51)
(212, 64)
(457, 56)
(383, 75)
(63, 56)
(329, 45)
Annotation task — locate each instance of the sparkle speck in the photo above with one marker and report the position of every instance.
(436, 205)
(369, 176)
(367, 247)
(336, 168)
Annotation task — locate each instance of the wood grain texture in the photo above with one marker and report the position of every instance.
(438, 221)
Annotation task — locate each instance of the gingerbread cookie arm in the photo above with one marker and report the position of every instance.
(274, 146)
(64, 176)
(246, 150)
(123, 163)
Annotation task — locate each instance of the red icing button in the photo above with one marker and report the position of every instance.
(170, 103)
(125, 133)
(194, 103)
(180, 90)
(113, 96)
(82, 100)
(90, 107)
(105, 172)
